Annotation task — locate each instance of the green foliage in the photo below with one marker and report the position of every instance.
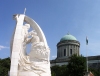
(4, 66)
(76, 66)
(96, 72)
(59, 70)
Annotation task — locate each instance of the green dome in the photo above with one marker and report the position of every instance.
(68, 37)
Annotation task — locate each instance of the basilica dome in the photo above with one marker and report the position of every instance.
(68, 37)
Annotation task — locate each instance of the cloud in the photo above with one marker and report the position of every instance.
(3, 47)
(54, 56)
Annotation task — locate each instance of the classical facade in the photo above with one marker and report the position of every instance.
(69, 45)
(66, 47)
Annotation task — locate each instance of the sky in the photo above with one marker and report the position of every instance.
(56, 18)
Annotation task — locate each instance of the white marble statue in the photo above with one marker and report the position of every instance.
(25, 29)
(36, 63)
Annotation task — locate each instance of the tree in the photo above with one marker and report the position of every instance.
(55, 70)
(76, 65)
(59, 70)
(4, 66)
(95, 71)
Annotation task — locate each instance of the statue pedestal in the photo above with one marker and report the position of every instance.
(27, 73)
(31, 73)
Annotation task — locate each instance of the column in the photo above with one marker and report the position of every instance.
(69, 49)
(57, 53)
(66, 50)
(62, 51)
(16, 46)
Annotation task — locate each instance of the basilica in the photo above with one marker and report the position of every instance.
(66, 47)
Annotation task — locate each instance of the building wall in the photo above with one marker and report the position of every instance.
(67, 48)
(93, 62)
(60, 64)
(75, 46)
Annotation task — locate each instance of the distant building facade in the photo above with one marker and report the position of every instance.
(68, 46)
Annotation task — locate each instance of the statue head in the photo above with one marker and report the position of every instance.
(27, 26)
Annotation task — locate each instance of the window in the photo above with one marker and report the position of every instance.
(64, 52)
(70, 51)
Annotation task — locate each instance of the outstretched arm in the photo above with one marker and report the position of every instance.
(28, 40)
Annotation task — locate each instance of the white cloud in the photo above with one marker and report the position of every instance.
(3, 47)
(54, 56)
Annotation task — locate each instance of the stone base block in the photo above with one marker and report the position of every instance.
(27, 73)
